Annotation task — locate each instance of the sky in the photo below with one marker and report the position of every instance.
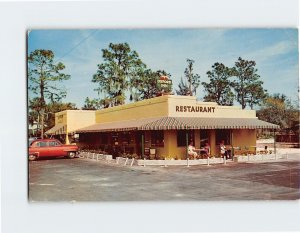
(275, 51)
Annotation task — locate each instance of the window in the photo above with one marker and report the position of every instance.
(103, 138)
(115, 138)
(181, 137)
(42, 144)
(223, 134)
(157, 138)
(53, 143)
(204, 138)
(125, 138)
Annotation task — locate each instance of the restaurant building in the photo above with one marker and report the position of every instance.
(66, 122)
(166, 125)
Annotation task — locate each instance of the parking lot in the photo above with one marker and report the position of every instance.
(86, 180)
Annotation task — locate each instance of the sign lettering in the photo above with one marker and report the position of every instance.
(194, 109)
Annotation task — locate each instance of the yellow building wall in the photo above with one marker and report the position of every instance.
(79, 118)
(168, 106)
(74, 119)
(244, 138)
(216, 111)
(212, 142)
(61, 117)
(155, 107)
(170, 148)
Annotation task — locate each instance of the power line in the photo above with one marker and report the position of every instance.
(79, 43)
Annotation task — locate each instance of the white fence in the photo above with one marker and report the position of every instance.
(95, 156)
(259, 157)
(108, 158)
(143, 162)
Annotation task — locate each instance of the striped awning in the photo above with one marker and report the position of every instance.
(116, 126)
(57, 129)
(226, 123)
(207, 123)
(165, 123)
(168, 123)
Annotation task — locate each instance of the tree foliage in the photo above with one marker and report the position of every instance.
(144, 85)
(183, 88)
(95, 104)
(247, 85)
(35, 107)
(192, 80)
(256, 94)
(43, 75)
(278, 109)
(35, 113)
(219, 87)
(114, 75)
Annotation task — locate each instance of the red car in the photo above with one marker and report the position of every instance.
(51, 148)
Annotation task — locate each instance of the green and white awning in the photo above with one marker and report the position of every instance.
(57, 129)
(128, 125)
(177, 123)
(226, 123)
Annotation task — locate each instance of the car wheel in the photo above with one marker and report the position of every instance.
(32, 157)
(71, 155)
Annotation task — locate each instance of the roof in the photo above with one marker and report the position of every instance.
(57, 129)
(168, 123)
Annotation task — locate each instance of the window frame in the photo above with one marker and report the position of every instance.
(181, 140)
(157, 135)
(223, 134)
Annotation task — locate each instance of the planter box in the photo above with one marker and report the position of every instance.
(260, 157)
(142, 162)
(95, 156)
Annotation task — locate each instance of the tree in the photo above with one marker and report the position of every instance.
(219, 87)
(34, 114)
(95, 104)
(278, 109)
(193, 80)
(145, 85)
(183, 88)
(256, 94)
(89, 104)
(247, 83)
(114, 75)
(43, 76)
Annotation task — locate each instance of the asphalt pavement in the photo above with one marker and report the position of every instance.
(75, 180)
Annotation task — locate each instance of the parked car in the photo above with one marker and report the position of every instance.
(51, 148)
(30, 140)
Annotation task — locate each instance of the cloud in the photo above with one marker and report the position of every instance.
(280, 48)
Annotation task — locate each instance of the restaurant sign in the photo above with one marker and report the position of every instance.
(194, 109)
(164, 82)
